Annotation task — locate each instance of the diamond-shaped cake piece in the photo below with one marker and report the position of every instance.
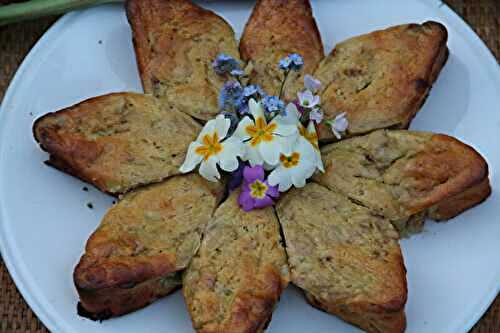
(144, 242)
(276, 29)
(235, 280)
(406, 175)
(175, 43)
(347, 260)
(381, 79)
(117, 142)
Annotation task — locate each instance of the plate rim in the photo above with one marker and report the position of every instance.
(26, 290)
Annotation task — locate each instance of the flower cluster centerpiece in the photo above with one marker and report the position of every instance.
(265, 145)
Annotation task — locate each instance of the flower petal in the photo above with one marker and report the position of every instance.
(272, 190)
(319, 162)
(264, 202)
(222, 125)
(284, 130)
(280, 177)
(251, 174)
(256, 109)
(246, 201)
(301, 173)
(270, 151)
(253, 156)
(192, 158)
(208, 169)
(311, 83)
(232, 148)
(209, 129)
(241, 132)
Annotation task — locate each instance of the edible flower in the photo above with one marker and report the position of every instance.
(231, 97)
(273, 105)
(291, 62)
(309, 133)
(263, 141)
(212, 149)
(316, 115)
(295, 166)
(307, 99)
(253, 90)
(339, 125)
(256, 191)
(226, 64)
(311, 83)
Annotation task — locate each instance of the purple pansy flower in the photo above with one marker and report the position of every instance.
(256, 191)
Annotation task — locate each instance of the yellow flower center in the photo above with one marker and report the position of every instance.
(211, 146)
(290, 161)
(258, 189)
(311, 137)
(260, 132)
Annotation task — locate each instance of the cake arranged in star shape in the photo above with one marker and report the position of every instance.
(242, 169)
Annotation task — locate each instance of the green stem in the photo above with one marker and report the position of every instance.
(31, 9)
(283, 84)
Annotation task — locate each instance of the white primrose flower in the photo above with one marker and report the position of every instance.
(296, 165)
(264, 142)
(339, 125)
(307, 99)
(309, 133)
(311, 83)
(210, 150)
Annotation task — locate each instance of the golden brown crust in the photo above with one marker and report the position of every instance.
(116, 142)
(381, 79)
(449, 208)
(403, 175)
(380, 321)
(347, 260)
(143, 242)
(176, 42)
(276, 29)
(239, 273)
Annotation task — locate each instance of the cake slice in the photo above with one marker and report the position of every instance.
(144, 242)
(118, 141)
(381, 79)
(239, 273)
(276, 29)
(405, 175)
(175, 43)
(347, 260)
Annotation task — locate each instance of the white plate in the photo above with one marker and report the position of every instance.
(453, 268)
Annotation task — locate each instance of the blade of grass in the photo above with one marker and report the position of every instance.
(31, 9)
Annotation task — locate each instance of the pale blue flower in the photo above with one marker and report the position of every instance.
(291, 62)
(231, 97)
(273, 105)
(226, 64)
(237, 72)
(253, 90)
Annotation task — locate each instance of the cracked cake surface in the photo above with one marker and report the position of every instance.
(117, 142)
(406, 175)
(347, 260)
(381, 79)
(236, 278)
(176, 42)
(143, 243)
